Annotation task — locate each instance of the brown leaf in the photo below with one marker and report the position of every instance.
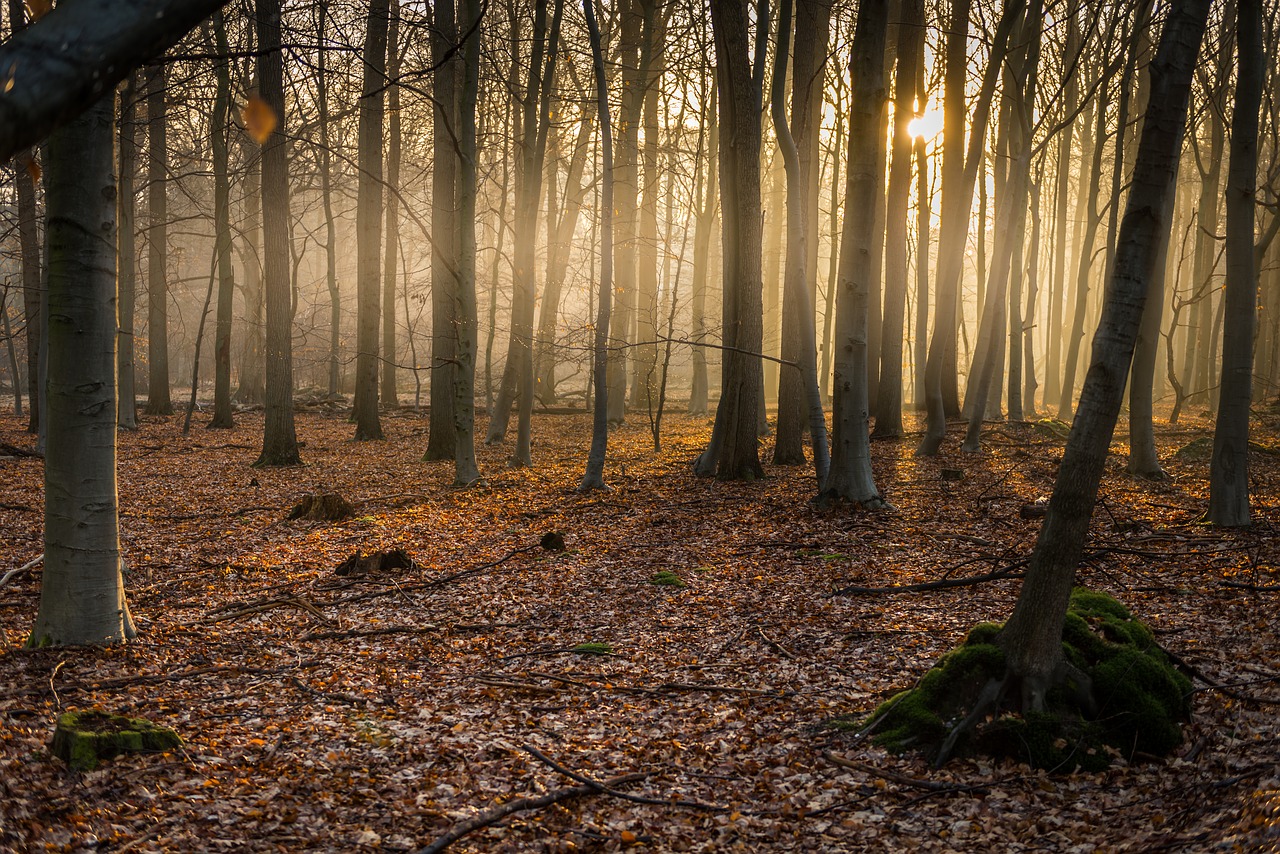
(37, 9)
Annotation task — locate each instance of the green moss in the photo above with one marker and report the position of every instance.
(667, 578)
(1140, 698)
(593, 648)
(83, 739)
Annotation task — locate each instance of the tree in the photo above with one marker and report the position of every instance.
(280, 439)
(369, 223)
(158, 402)
(799, 266)
(850, 478)
(1032, 637)
(391, 241)
(733, 451)
(594, 476)
(1229, 471)
(82, 589)
(127, 256)
(219, 128)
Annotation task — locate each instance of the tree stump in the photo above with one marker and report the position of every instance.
(83, 739)
(359, 564)
(325, 507)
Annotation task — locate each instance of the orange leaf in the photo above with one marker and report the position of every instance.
(628, 837)
(259, 119)
(33, 169)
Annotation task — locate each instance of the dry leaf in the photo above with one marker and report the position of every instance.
(259, 119)
(33, 169)
(37, 9)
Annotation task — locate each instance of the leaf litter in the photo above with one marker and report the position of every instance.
(380, 710)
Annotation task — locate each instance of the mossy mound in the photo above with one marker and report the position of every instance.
(1052, 428)
(83, 739)
(1201, 450)
(1140, 698)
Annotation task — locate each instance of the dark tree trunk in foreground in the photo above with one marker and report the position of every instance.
(82, 588)
(594, 476)
(1032, 638)
(280, 439)
(369, 223)
(850, 478)
(733, 451)
(1229, 471)
(158, 402)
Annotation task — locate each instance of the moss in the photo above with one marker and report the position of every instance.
(1140, 698)
(593, 648)
(667, 578)
(83, 739)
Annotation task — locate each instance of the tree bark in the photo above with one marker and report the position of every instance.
(82, 589)
(218, 132)
(1229, 471)
(389, 395)
(280, 439)
(369, 223)
(158, 401)
(127, 256)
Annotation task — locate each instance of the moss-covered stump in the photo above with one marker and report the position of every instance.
(326, 507)
(83, 739)
(1139, 699)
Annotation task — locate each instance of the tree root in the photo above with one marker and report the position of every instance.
(988, 702)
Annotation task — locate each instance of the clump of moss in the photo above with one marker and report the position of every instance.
(83, 739)
(667, 578)
(593, 648)
(1140, 699)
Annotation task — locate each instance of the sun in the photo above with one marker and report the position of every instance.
(927, 125)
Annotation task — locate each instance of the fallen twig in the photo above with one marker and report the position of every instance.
(14, 573)
(259, 607)
(369, 633)
(940, 584)
(604, 788)
(928, 785)
(334, 696)
(1235, 585)
(495, 814)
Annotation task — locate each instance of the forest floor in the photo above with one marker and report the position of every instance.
(375, 712)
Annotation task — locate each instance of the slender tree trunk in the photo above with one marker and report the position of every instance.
(82, 589)
(127, 253)
(644, 387)
(252, 376)
(219, 129)
(280, 439)
(733, 451)
(389, 394)
(851, 478)
(1032, 638)
(833, 261)
(594, 476)
(369, 271)
(1229, 471)
(25, 178)
(698, 402)
(910, 55)
(326, 199)
(158, 401)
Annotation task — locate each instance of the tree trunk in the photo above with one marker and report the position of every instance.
(958, 179)
(850, 478)
(594, 476)
(25, 179)
(698, 395)
(389, 395)
(326, 199)
(733, 451)
(1229, 471)
(127, 255)
(1032, 638)
(465, 471)
(644, 386)
(910, 56)
(280, 439)
(218, 132)
(82, 589)
(158, 402)
(369, 223)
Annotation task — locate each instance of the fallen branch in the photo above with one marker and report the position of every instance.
(14, 451)
(927, 785)
(605, 788)
(496, 814)
(940, 584)
(369, 633)
(1236, 585)
(259, 607)
(333, 696)
(14, 573)
(433, 583)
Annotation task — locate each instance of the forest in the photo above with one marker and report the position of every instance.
(691, 425)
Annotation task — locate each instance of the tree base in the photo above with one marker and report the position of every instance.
(326, 507)
(1114, 693)
(83, 739)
